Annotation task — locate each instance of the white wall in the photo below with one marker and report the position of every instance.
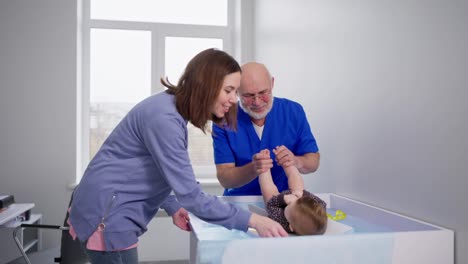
(37, 105)
(384, 85)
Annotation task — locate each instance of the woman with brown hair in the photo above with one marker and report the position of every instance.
(145, 158)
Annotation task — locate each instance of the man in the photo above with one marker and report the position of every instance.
(264, 122)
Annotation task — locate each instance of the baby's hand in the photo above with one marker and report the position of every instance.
(297, 193)
(289, 198)
(265, 152)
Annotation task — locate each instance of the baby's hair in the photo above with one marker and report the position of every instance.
(310, 217)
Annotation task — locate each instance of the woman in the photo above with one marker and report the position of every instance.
(145, 158)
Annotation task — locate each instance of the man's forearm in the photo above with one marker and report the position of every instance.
(235, 177)
(308, 163)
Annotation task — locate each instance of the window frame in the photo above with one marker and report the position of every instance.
(159, 31)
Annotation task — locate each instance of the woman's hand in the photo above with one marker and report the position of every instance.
(181, 219)
(266, 227)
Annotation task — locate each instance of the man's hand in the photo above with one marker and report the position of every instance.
(262, 162)
(181, 219)
(266, 227)
(284, 157)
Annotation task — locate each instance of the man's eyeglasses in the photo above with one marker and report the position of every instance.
(263, 95)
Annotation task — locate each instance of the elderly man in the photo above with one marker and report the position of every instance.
(264, 122)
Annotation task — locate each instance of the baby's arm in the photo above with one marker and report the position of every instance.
(267, 186)
(289, 198)
(295, 181)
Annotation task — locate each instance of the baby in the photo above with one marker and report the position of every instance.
(296, 209)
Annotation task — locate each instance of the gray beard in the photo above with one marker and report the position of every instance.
(255, 115)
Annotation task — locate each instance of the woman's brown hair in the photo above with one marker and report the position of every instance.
(200, 85)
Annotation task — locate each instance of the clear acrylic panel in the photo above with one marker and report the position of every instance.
(199, 12)
(120, 77)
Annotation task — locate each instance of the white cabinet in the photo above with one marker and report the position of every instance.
(29, 237)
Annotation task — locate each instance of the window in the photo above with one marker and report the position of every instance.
(128, 45)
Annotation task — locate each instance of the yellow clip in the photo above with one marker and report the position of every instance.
(339, 215)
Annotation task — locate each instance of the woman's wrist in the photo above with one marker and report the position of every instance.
(253, 221)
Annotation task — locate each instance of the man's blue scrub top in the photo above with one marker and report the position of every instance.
(286, 124)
